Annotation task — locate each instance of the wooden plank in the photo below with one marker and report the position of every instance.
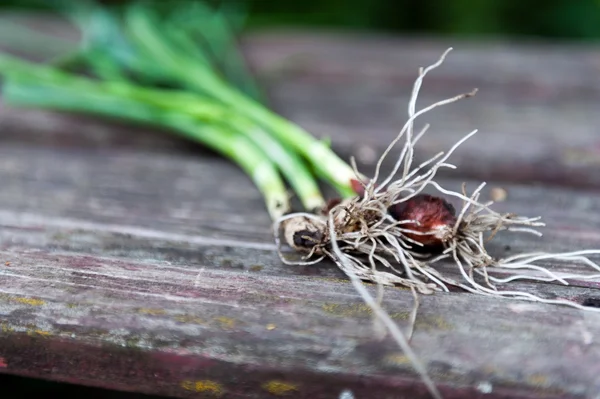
(535, 109)
(106, 274)
(238, 334)
(530, 68)
(125, 198)
(206, 197)
(69, 131)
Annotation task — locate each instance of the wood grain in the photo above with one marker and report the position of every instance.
(101, 259)
(535, 108)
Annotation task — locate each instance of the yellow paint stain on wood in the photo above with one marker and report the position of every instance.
(358, 310)
(346, 310)
(279, 388)
(396, 359)
(538, 380)
(398, 287)
(400, 315)
(432, 323)
(151, 311)
(334, 280)
(203, 386)
(37, 332)
(449, 376)
(185, 318)
(29, 301)
(225, 322)
(275, 298)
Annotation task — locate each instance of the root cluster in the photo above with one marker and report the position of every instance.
(393, 233)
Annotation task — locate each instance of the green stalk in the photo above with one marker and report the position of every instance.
(245, 153)
(101, 26)
(221, 139)
(159, 54)
(142, 29)
(323, 159)
(291, 165)
(216, 33)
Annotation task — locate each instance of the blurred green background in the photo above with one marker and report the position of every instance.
(576, 19)
(555, 19)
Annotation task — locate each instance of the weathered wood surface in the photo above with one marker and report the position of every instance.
(128, 261)
(135, 261)
(355, 89)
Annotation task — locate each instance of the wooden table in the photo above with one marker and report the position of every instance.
(136, 261)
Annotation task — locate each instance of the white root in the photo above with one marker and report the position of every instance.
(467, 248)
(381, 314)
(359, 235)
(367, 233)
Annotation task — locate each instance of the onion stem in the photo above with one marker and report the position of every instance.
(222, 139)
(135, 50)
(199, 77)
(203, 111)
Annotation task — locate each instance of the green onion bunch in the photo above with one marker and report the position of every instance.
(176, 65)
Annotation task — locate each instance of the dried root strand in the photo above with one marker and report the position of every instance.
(467, 249)
(393, 224)
(380, 314)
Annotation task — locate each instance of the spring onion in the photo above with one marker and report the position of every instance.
(152, 65)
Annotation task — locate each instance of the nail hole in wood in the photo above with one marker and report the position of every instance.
(591, 302)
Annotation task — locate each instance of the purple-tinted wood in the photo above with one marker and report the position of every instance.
(168, 329)
(129, 270)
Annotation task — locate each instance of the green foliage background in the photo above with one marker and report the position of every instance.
(575, 19)
(562, 19)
